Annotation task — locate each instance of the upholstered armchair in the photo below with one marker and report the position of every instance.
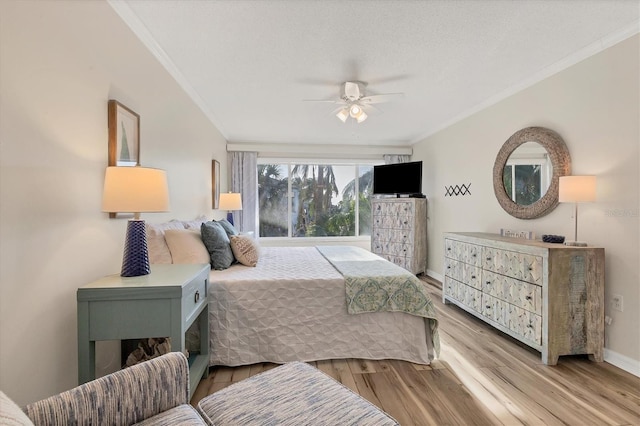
(149, 393)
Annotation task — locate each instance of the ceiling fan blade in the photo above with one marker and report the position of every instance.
(372, 109)
(378, 99)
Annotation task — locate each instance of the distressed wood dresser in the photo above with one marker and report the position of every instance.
(548, 296)
(399, 232)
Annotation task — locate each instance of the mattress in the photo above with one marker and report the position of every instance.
(292, 307)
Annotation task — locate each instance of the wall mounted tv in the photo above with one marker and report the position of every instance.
(398, 179)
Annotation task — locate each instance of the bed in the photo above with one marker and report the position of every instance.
(293, 307)
(303, 303)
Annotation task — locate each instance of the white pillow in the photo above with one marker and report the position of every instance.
(186, 246)
(158, 249)
(196, 223)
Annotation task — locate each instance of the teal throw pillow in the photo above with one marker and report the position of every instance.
(217, 242)
(228, 227)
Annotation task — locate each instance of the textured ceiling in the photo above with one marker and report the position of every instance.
(250, 64)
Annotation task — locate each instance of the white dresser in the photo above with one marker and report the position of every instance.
(549, 296)
(399, 232)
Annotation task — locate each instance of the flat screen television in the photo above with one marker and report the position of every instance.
(398, 179)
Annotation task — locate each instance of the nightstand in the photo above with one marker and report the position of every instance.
(164, 303)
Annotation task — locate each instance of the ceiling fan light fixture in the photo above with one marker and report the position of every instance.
(343, 114)
(355, 111)
(360, 118)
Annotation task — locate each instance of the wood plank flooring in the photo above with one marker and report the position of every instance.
(483, 377)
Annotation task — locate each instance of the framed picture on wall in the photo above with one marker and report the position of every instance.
(124, 135)
(215, 183)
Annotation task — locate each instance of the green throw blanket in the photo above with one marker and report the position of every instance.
(375, 285)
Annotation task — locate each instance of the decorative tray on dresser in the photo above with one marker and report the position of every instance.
(548, 296)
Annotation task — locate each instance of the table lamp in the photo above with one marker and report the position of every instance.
(230, 201)
(576, 189)
(135, 190)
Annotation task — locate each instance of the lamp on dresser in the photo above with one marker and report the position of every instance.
(576, 189)
(135, 190)
(230, 201)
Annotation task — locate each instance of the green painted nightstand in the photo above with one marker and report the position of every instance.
(162, 304)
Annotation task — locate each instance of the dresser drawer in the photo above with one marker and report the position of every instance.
(194, 297)
(464, 294)
(495, 309)
(394, 208)
(526, 324)
(402, 261)
(393, 222)
(450, 287)
(470, 297)
(519, 293)
(522, 266)
(382, 235)
(463, 252)
(468, 274)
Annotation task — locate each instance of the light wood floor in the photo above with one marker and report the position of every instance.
(482, 377)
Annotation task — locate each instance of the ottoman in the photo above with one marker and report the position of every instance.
(291, 394)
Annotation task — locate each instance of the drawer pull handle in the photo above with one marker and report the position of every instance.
(473, 277)
(448, 248)
(473, 255)
(196, 296)
(528, 297)
(488, 258)
(488, 306)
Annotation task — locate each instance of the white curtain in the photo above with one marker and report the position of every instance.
(243, 168)
(396, 158)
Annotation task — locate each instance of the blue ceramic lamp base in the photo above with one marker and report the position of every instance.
(135, 260)
(230, 217)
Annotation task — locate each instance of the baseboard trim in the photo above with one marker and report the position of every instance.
(435, 275)
(629, 365)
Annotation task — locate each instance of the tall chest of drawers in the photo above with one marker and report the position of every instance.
(399, 231)
(548, 296)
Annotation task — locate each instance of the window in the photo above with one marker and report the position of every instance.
(314, 200)
(527, 174)
(522, 183)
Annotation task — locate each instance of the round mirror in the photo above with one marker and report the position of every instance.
(526, 172)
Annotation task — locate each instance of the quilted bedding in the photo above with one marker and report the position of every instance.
(292, 307)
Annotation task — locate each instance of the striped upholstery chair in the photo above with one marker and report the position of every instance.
(155, 392)
(293, 394)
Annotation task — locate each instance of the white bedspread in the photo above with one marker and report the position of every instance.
(292, 307)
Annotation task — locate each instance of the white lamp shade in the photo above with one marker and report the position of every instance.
(577, 189)
(135, 190)
(343, 114)
(230, 201)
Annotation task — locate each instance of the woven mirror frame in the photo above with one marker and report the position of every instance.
(560, 161)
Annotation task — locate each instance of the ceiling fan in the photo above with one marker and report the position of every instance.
(354, 101)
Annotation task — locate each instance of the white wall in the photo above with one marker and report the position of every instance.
(60, 62)
(594, 106)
